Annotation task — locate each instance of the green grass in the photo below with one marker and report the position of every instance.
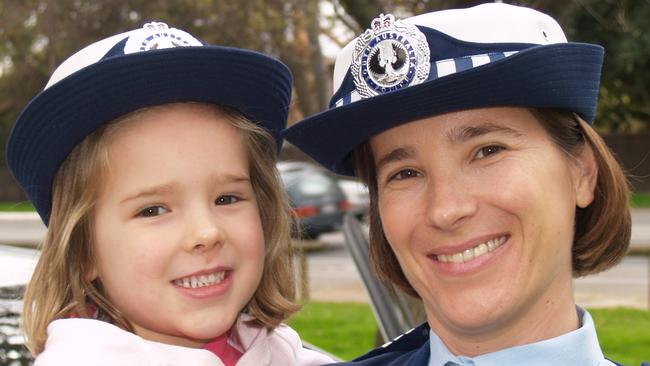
(624, 334)
(348, 330)
(640, 200)
(16, 206)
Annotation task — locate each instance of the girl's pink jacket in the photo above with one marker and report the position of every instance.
(77, 342)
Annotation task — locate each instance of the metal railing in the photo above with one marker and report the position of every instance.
(395, 312)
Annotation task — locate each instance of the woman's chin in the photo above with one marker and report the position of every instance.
(470, 313)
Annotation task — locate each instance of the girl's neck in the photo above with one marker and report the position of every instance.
(227, 353)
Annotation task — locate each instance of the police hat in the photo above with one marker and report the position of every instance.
(145, 67)
(488, 55)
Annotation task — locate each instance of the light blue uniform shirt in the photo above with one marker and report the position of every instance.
(577, 348)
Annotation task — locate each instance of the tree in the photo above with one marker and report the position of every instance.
(37, 35)
(622, 27)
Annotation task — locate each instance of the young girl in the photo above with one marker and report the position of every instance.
(151, 158)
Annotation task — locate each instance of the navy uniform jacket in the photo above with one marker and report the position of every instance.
(409, 349)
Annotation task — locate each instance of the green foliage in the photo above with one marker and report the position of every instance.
(622, 27)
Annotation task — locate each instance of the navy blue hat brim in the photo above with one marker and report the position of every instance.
(563, 76)
(61, 116)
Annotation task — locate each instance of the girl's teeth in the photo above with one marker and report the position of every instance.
(200, 281)
(471, 253)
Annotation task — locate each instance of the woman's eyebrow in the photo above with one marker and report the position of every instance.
(400, 153)
(464, 133)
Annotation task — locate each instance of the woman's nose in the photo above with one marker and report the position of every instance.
(449, 204)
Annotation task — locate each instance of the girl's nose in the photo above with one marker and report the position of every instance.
(203, 234)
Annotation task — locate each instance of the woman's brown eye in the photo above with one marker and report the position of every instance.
(488, 150)
(405, 174)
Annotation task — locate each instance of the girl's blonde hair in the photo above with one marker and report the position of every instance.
(60, 286)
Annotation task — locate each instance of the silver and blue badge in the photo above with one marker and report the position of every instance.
(389, 56)
(156, 35)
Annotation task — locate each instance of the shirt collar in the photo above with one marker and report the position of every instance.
(578, 347)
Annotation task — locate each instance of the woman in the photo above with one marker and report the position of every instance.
(489, 188)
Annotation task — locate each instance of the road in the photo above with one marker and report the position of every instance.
(333, 277)
(23, 228)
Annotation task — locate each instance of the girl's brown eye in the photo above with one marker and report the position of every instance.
(226, 200)
(152, 211)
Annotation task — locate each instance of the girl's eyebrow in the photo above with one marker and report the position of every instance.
(167, 188)
(152, 191)
(464, 133)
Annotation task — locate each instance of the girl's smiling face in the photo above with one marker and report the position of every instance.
(178, 241)
(478, 207)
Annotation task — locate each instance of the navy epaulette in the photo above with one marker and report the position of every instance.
(408, 341)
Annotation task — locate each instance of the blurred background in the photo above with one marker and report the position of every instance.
(36, 36)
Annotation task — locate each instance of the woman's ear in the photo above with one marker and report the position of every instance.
(586, 176)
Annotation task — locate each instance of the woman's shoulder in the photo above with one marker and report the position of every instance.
(79, 341)
(410, 348)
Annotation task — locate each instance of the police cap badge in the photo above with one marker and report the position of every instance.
(392, 54)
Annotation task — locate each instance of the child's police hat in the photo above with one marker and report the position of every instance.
(489, 55)
(145, 67)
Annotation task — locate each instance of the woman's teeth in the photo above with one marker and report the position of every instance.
(471, 253)
(200, 281)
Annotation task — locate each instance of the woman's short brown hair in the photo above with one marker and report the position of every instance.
(602, 229)
(60, 285)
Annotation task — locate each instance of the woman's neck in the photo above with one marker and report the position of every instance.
(549, 317)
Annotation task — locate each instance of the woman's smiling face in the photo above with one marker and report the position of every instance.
(478, 207)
